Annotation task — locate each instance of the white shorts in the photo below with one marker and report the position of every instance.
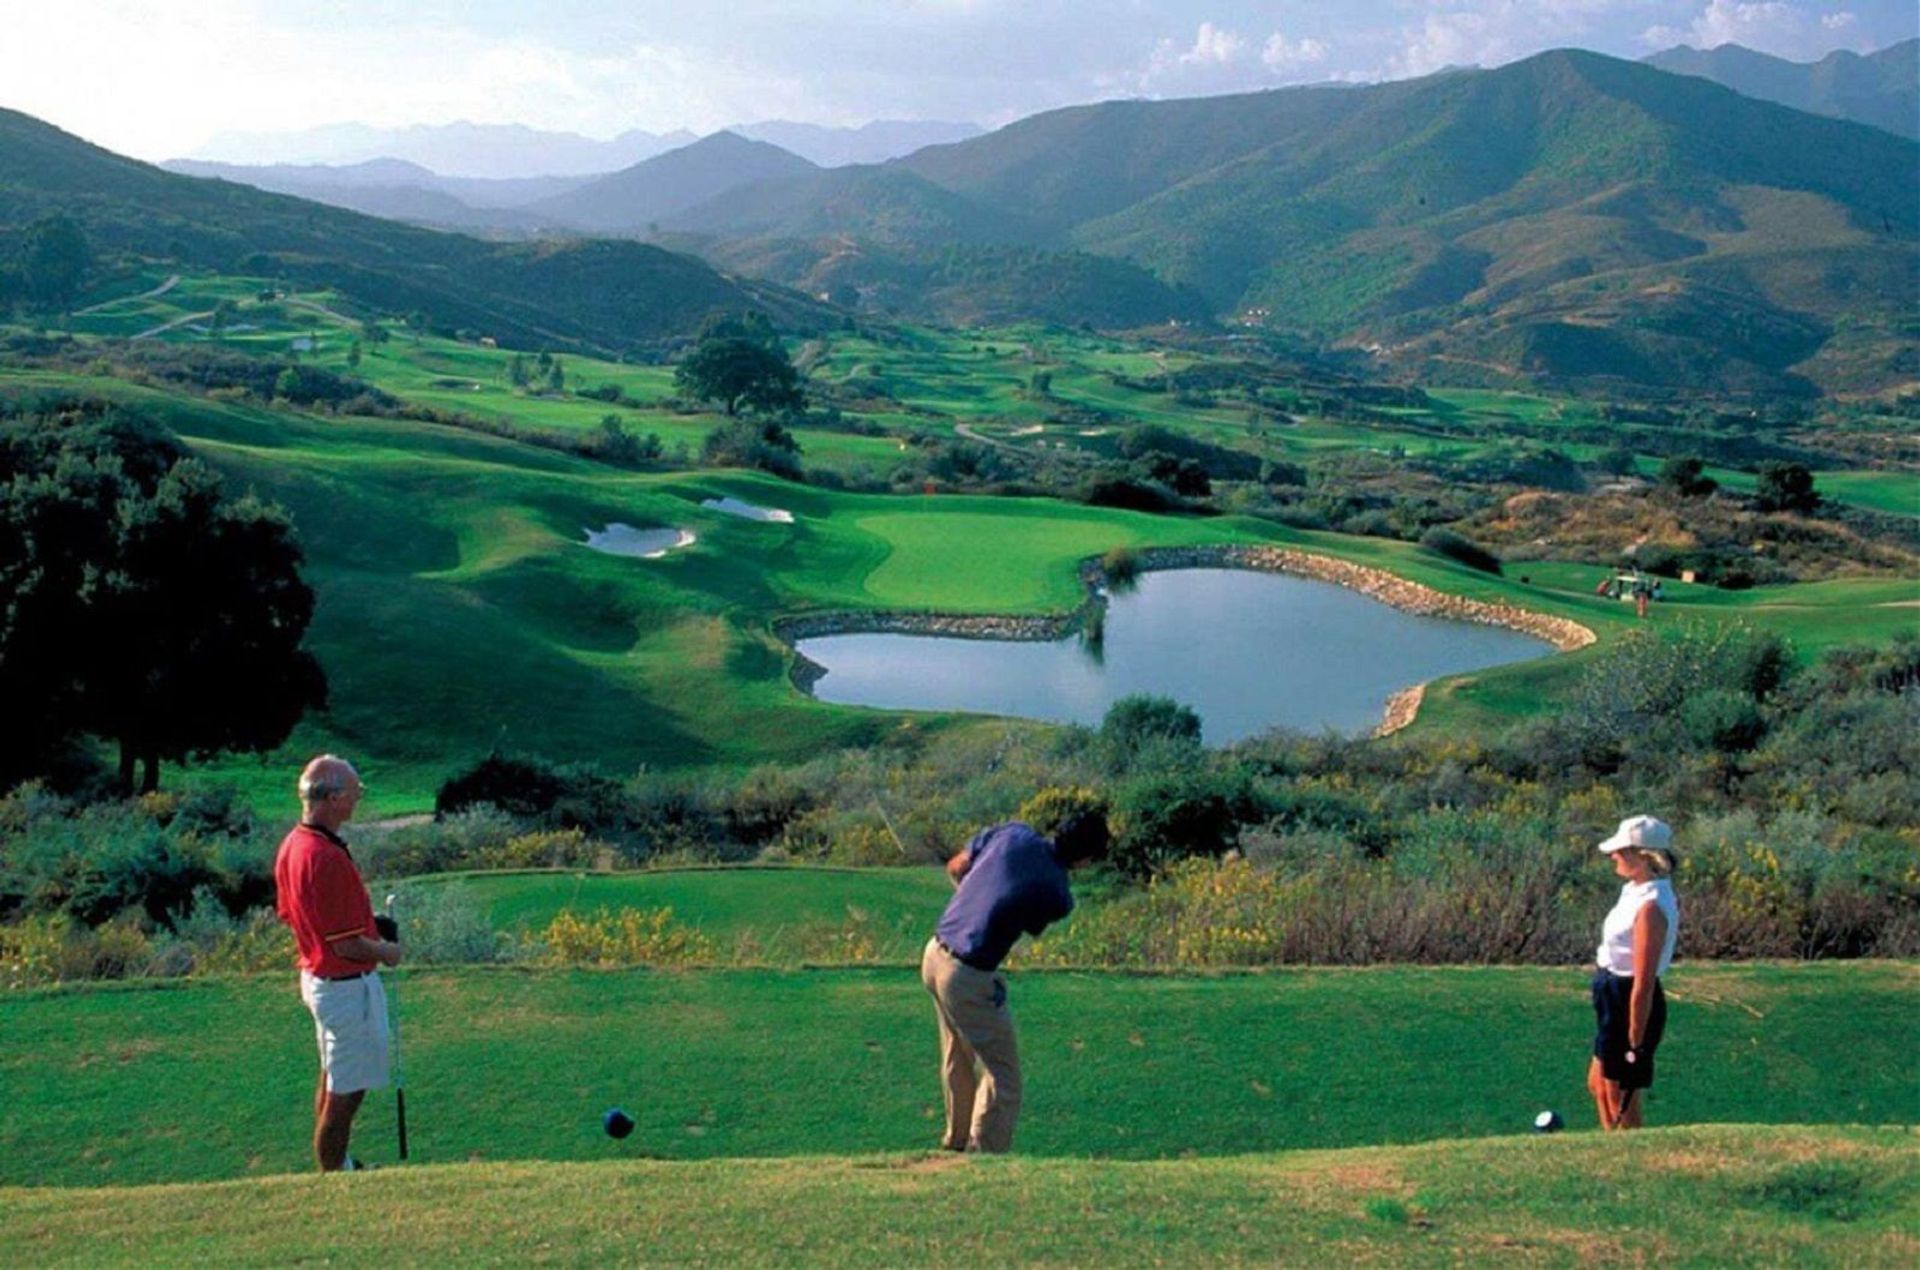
(350, 1024)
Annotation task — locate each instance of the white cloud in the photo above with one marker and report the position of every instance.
(1213, 46)
(1219, 60)
(1280, 53)
(1769, 26)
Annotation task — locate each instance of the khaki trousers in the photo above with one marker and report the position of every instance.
(979, 1062)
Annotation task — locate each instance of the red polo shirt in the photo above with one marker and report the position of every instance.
(323, 899)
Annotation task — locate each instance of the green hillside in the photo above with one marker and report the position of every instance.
(1881, 89)
(594, 294)
(1721, 1196)
(790, 912)
(1570, 217)
(964, 285)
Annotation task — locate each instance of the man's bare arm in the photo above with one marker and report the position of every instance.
(361, 948)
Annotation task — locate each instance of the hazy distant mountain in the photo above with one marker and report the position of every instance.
(1881, 89)
(595, 294)
(875, 142)
(494, 151)
(649, 192)
(399, 190)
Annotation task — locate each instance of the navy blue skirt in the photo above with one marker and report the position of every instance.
(1613, 1013)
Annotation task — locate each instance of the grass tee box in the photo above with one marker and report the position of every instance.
(1715, 1195)
(212, 1079)
(790, 910)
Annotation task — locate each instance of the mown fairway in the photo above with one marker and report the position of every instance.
(1710, 1196)
(795, 911)
(213, 1079)
(460, 609)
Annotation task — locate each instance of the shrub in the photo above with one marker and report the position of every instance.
(459, 840)
(546, 849)
(442, 924)
(570, 796)
(1135, 720)
(1053, 806)
(631, 937)
(1163, 818)
(1458, 547)
(1121, 565)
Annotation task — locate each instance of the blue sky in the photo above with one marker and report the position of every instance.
(158, 79)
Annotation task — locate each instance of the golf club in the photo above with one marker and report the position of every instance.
(393, 1030)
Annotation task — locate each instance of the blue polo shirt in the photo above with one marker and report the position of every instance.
(1014, 886)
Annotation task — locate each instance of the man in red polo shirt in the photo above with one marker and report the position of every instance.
(323, 899)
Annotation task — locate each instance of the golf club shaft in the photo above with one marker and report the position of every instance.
(393, 1029)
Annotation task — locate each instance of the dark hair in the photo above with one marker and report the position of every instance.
(1082, 836)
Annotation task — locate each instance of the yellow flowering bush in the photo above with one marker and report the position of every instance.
(630, 937)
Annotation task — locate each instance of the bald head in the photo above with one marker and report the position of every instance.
(329, 791)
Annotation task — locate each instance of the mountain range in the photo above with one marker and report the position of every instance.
(508, 151)
(1881, 89)
(596, 294)
(1570, 218)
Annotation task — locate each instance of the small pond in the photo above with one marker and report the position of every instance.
(649, 544)
(748, 511)
(1249, 651)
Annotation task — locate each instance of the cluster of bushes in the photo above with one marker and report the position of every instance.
(1791, 788)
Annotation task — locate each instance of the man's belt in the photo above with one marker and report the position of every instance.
(968, 962)
(358, 974)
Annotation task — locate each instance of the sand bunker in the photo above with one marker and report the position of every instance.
(648, 544)
(747, 511)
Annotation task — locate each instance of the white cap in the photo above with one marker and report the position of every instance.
(1649, 833)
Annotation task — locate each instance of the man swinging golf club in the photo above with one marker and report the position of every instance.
(341, 950)
(1010, 882)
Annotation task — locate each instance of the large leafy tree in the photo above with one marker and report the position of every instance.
(138, 602)
(740, 364)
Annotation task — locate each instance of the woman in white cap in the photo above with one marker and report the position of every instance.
(1636, 947)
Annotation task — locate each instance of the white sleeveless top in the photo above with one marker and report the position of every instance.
(1616, 933)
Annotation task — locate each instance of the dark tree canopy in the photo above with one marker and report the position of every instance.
(138, 602)
(740, 364)
(54, 261)
(1785, 487)
(1686, 476)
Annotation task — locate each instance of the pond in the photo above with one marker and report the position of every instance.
(1249, 651)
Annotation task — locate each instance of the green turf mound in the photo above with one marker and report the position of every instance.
(1724, 1195)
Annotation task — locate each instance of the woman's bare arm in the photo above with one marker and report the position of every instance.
(1649, 937)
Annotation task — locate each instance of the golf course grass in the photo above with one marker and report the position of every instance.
(459, 609)
(1720, 1195)
(213, 1078)
(778, 908)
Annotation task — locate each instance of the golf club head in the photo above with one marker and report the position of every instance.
(389, 904)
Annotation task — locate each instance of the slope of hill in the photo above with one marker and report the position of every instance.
(606, 295)
(1568, 217)
(630, 200)
(965, 285)
(882, 204)
(1881, 89)
(1735, 1194)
